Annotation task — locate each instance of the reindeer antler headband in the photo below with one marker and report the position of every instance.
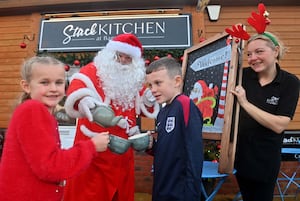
(259, 21)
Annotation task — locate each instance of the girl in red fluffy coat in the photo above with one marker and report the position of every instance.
(33, 166)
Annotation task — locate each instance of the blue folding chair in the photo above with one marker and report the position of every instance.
(210, 171)
(289, 180)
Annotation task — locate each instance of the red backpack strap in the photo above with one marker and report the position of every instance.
(185, 102)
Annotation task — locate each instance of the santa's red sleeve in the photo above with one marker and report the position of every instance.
(84, 83)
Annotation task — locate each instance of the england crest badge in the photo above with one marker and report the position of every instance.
(170, 124)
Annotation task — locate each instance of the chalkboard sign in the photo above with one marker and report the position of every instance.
(210, 71)
(206, 74)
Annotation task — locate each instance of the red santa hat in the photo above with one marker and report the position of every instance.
(126, 43)
(202, 84)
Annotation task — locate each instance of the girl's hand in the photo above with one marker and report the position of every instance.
(101, 141)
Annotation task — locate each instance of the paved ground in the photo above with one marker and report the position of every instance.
(147, 197)
(276, 198)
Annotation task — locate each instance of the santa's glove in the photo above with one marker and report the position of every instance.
(148, 98)
(86, 104)
(133, 131)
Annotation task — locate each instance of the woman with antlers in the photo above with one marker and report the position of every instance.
(268, 98)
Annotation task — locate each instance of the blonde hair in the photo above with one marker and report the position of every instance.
(27, 68)
(272, 42)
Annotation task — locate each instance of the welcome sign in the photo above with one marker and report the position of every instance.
(92, 33)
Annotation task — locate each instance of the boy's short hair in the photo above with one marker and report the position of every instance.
(172, 66)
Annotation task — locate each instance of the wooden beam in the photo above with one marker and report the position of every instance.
(113, 13)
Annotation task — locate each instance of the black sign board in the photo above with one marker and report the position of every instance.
(92, 33)
(206, 80)
(291, 139)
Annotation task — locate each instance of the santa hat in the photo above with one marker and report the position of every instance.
(126, 43)
(201, 84)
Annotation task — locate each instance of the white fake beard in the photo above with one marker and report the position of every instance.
(121, 83)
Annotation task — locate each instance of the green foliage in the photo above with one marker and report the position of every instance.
(69, 57)
(151, 54)
(211, 150)
(86, 57)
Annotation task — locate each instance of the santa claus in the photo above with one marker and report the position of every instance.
(205, 98)
(114, 79)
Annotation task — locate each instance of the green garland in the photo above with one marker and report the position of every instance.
(85, 57)
(211, 150)
(175, 53)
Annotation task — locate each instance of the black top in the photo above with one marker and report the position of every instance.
(178, 152)
(258, 152)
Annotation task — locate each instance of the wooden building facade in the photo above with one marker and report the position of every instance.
(18, 20)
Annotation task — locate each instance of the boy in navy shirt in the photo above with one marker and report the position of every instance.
(178, 150)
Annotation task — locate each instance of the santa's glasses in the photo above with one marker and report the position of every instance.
(122, 58)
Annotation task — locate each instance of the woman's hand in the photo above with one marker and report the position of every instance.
(240, 94)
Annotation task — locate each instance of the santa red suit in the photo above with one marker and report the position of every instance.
(205, 99)
(110, 177)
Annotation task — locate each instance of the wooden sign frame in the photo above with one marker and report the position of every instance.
(210, 71)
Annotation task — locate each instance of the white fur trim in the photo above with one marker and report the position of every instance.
(137, 104)
(124, 48)
(89, 84)
(79, 94)
(73, 98)
(87, 132)
(152, 115)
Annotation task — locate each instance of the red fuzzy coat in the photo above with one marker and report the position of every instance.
(33, 164)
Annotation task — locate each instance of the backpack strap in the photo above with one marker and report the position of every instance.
(185, 102)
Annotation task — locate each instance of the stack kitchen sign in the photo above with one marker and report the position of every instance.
(92, 33)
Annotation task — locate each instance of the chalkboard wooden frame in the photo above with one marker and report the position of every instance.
(211, 69)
